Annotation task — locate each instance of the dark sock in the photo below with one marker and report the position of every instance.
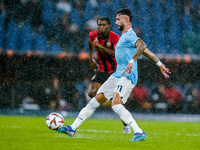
(124, 123)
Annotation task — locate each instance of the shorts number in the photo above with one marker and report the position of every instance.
(119, 88)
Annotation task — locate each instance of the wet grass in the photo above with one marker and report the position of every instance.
(31, 133)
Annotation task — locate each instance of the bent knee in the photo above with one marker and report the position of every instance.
(92, 93)
(101, 98)
(116, 99)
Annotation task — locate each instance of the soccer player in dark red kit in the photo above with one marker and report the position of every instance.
(104, 41)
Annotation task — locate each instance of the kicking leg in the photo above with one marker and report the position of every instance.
(88, 110)
(84, 114)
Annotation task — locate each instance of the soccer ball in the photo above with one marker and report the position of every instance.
(54, 121)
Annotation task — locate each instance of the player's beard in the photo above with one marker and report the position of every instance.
(121, 27)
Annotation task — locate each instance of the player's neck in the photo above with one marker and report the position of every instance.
(126, 28)
(104, 35)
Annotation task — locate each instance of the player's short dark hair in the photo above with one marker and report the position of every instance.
(126, 11)
(105, 19)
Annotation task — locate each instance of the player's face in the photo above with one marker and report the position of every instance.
(120, 22)
(103, 26)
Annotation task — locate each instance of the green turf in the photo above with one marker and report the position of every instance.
(31, 133)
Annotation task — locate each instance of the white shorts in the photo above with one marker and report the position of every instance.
(123, 86)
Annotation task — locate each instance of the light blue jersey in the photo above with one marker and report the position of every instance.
(124, 51)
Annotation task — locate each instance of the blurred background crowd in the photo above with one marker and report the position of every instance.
(44, 51)
(166, 26)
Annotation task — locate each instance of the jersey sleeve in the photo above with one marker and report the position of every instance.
(133, 38)
(91, 36)
(116, 39)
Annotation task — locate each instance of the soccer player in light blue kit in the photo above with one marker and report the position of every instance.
(119, 85)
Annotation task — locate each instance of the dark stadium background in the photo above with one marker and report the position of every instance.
(37, 46)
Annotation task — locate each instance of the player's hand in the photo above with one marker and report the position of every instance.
(165, 71)
(93, 65)
(128, 69)
(96, 43)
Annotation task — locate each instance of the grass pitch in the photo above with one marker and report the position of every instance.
(31, 133)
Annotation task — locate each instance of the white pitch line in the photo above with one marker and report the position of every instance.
(88, 130)
(192, 135)
(10, 126)
(187, 134)
(179, 134)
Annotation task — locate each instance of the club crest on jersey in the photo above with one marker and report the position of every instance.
(108, 44)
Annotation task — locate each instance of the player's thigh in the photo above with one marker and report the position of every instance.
(107, 87)
(94, 86)
(124, 87)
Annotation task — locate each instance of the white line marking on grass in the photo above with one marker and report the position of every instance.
(178, 134)
(192, 135)
(88, 130)
(10, 126)
(188, 134)
(77, 136)
(82, 137)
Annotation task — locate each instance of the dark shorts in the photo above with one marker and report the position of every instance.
(100, 77)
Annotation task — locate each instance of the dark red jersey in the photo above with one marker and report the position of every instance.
(107, 63)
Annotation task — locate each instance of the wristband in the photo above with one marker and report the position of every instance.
(159, 63)
(131, 61)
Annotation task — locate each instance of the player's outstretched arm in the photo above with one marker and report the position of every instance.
(140, 47)
(165, 71)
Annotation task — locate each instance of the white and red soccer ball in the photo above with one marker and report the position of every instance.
(54, 121)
